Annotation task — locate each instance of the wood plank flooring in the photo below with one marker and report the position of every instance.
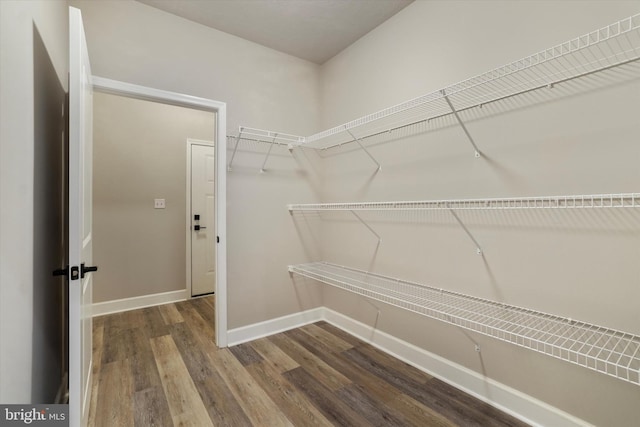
(159, 366)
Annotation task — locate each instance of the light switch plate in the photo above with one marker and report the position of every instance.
(159, 204)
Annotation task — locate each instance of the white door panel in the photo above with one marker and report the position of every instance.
(80, 220)
(203, 233)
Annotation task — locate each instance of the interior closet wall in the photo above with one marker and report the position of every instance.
(139, 44)
(23, 351)
(577, 138)
(140, 155)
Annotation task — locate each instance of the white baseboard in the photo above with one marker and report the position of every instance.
(127, 304)
(273, 326)
(505, 398)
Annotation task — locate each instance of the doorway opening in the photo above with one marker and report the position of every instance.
(216, 262)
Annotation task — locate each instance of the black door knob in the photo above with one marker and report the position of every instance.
(61, 271)
(72, 273)
(89, 269)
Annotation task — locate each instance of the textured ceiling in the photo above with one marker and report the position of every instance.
(315, 30)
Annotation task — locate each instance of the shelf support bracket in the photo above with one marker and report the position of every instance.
(466, 230)
(366, 225)
(461, 123)
(268, 153)
(363, 148)
(234, 150)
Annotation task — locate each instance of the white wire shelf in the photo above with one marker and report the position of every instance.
(268, 136)
(621, 200)
(608, 47)
(605, 350)
(260, 135)
(233, 139)
(612, 46)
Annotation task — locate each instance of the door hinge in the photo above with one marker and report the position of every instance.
(217, 239)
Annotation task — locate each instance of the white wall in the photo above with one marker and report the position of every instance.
(580, 138)
(552, 262)
(263, 88)
(136, 43)
(17, 20)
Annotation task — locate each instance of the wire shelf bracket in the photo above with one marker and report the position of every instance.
(235, 149)
(594, 347)
(364, 149)
(466, 230)
(367, 225)
(268, 153)
(461, 123)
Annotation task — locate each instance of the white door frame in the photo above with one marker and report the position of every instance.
(220, 108)
(191, 143)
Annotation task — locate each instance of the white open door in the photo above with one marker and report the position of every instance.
(80, 199)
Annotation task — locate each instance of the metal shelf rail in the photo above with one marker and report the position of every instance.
(605, 350)
(596, 201)
(611, 46)
(259, 135)
(621, 200)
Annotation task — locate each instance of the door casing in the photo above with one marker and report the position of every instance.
(220, 108)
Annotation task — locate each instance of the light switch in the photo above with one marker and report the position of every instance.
(159, 204)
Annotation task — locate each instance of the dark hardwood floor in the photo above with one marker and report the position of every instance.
(159, 366)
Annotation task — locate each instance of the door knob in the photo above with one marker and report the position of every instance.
(71, 272)
(84, 269)
(198, 227)
(61, 271)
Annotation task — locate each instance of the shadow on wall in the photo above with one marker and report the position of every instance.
(49, 306)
